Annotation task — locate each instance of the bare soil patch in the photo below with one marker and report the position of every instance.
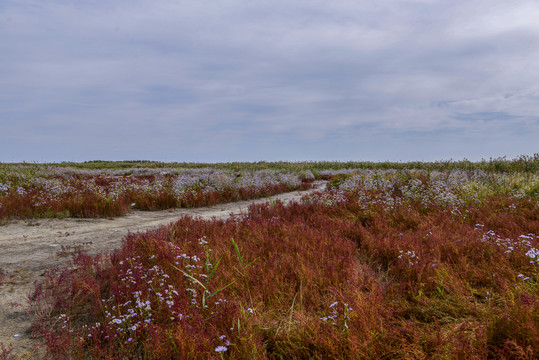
(29, 247)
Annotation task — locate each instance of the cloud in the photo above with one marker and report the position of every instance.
(243, 80)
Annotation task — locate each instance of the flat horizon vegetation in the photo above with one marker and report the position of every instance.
(522, 164)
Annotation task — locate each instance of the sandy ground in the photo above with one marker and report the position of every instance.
(29, 247)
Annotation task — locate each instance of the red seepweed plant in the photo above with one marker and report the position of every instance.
(101, 195)
(390, 270)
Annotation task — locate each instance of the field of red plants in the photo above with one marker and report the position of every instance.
(40, 191)
(382, 265)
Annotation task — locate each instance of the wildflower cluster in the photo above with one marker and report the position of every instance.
(338, 316)
(436, 192)
(408, 257)
(152, 297)
(522, 244)
(453, 191)
(329, 198)
(92, 193)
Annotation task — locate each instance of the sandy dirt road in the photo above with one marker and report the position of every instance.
(29, 247)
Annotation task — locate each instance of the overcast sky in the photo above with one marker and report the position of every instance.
(233, 80)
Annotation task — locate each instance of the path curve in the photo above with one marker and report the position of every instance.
(29, 247)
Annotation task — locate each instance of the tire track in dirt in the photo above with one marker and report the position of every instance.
(29, 247)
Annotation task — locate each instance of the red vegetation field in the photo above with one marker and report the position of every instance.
(65, 192)
(383, 270)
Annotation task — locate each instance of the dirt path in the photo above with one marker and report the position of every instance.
(29, 247)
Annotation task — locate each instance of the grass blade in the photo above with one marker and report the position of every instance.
(190, 276)
(237, 252)
(213, 270)
(221, 289)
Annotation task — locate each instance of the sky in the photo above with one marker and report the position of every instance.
(291, 80)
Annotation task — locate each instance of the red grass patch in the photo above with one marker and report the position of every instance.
(332, 277)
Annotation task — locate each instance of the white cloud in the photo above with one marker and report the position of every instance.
(480, 19)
